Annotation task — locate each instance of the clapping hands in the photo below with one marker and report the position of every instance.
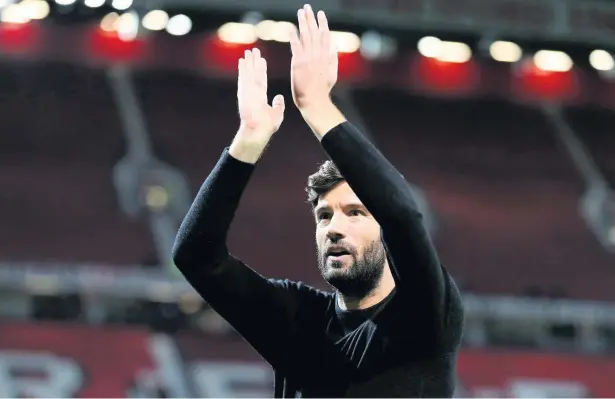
(313, 74)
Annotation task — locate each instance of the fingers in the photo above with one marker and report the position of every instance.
(323, 28)
(323, 23)
(277, 110)
(295, 44)
(249, 67)
(311, 24)
(278, 103)
(253, 68)
(260, 69)
(313, 31)
(304, 30)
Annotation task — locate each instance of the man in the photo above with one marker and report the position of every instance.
(393, 326)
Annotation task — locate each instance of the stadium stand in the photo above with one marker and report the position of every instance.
(191, 135)
(60, 140)
(594, 125)
(505, 195)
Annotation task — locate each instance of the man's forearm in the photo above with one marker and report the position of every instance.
(202, 235)
(376, 182)
(262, 310)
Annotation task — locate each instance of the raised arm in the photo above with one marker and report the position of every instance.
(419, 277)
(261, 310)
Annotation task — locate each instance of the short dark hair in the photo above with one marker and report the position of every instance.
(326, 177)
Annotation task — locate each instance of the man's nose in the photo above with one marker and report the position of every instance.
(335, 231)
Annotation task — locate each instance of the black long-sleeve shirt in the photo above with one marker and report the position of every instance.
(405, 346)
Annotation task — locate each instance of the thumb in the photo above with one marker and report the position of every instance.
(278, 107)
(278, 103)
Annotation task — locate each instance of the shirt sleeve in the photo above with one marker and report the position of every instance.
(264, 311)
(422, 284)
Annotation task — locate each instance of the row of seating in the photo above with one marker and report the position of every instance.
(59, 141)
(504, 194)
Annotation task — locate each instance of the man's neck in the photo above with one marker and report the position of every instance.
(383, 290)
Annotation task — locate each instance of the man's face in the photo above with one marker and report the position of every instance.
(351, 256)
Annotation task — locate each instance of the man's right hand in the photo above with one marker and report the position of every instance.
(258, 120)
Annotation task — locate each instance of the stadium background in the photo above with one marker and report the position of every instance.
(112, 113)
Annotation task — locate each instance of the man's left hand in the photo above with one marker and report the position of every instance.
(314, 60)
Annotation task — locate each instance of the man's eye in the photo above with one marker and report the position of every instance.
(324, 216)
(356, 212)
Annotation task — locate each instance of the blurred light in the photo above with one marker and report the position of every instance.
(4, 3)
(121, 4)
(161, 292)
(454, 52)
(346, 42)
(18, 38)
(612, 235)
(283, 30)
(41, 285)
(155, 20)
(65, 2)
(35, 9)
(94, 3)
(429, 46)
(433, 75)
(374, 45)
(552, 61)
(601, 60)
(505, 51)
(112, 42)
(265, 29)
(14, 14)
(179, 25)
(157, 197)
(252, 17)
(128, 26)
(278, 31)
(190, 304)
(109, 22)
(237, 33)
(352, 66)
(371, 45)
(535, 83)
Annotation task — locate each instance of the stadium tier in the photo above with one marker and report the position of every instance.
(594, 126)
(507, 139)
(504, 193)
(59, 140)
(192, 119)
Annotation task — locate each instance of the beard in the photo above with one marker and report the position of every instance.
(361, 276)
